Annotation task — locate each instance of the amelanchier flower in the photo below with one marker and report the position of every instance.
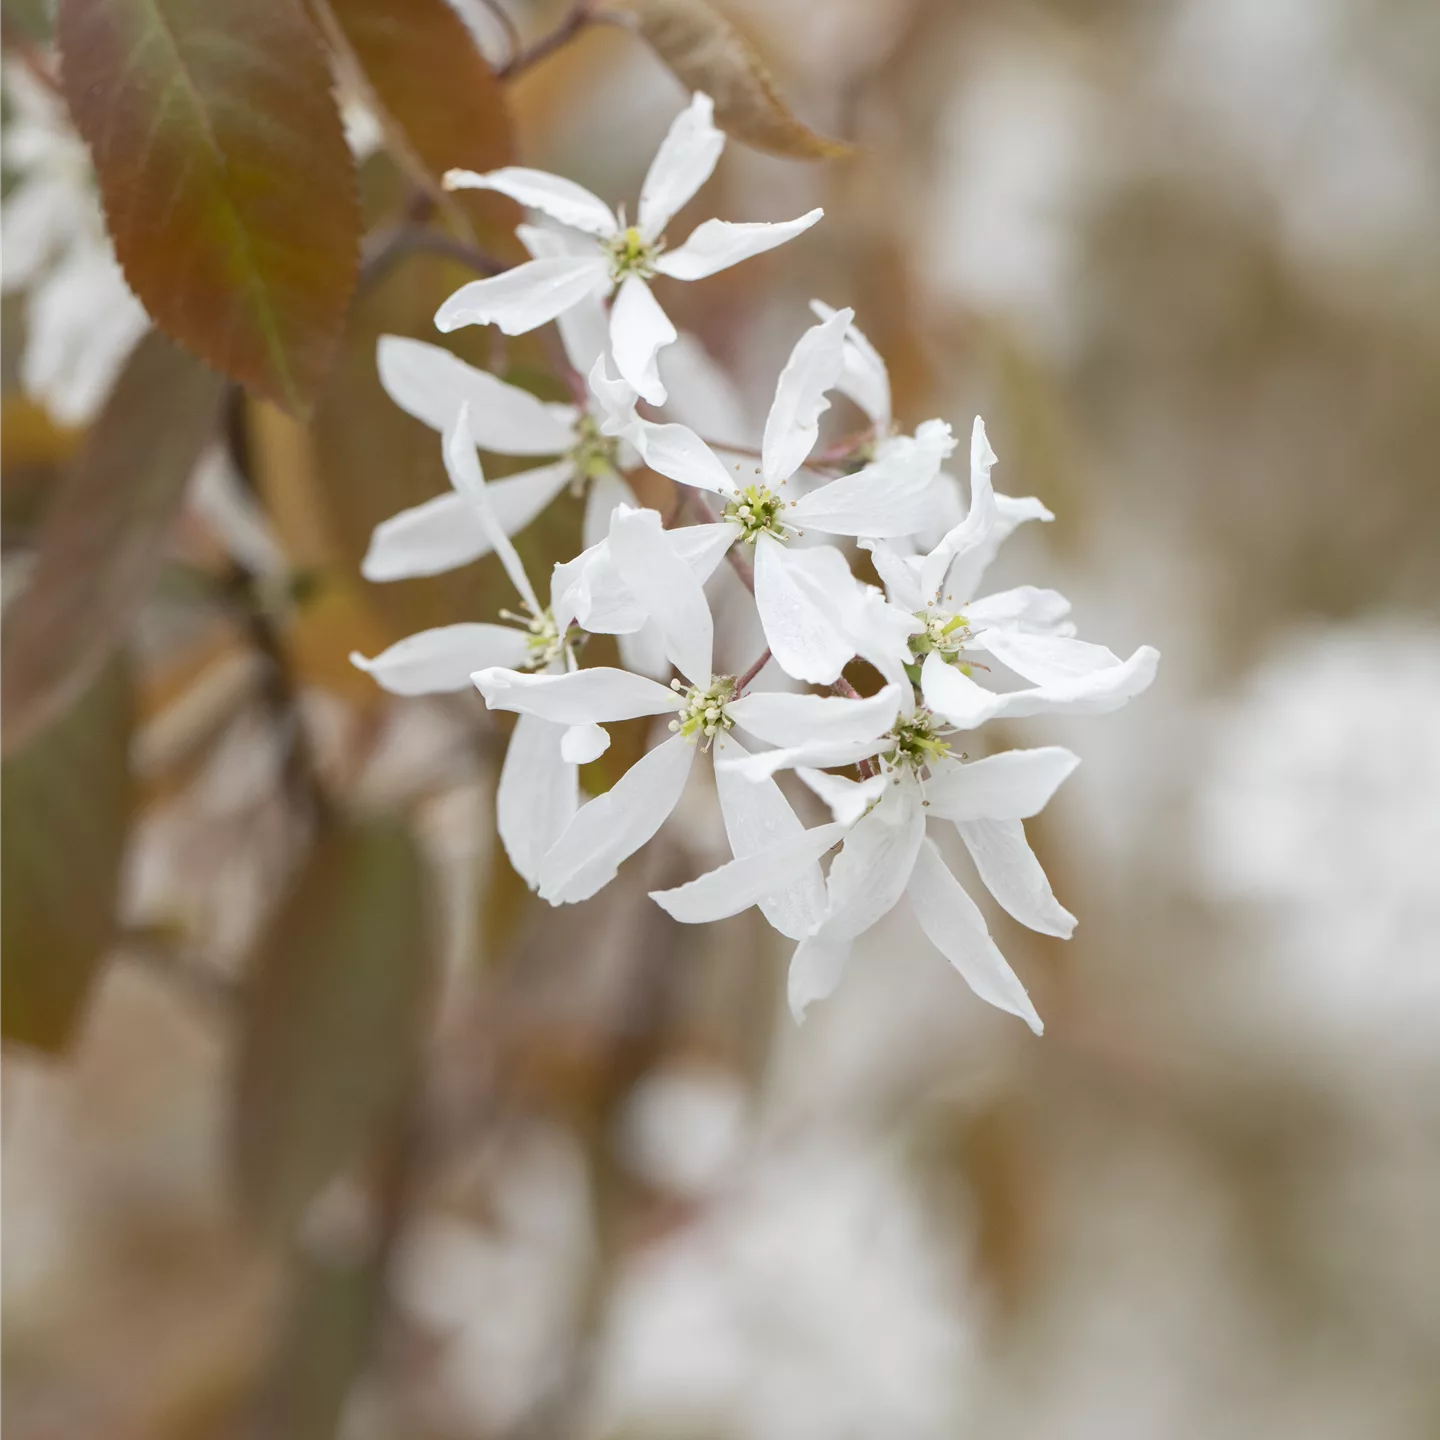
(604, 254)
(704, 707)
(538, 792)
(808, 602)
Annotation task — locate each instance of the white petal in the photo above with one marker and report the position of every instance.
(585, 326)
(785, 719)
(683, 163)
(431, 384)
(639, 330)
(871, 872)
(703, 547)
(537, 795)
(679, 454)
(900, 574)
(956, 697)
(583, 743)
(445, 533)
(643, 651)
(717, 245)
(977, 528)
(953, 924)
(793, 424)
(848, 799)
(552, 195)
(596, 696)
(748, 879)
(817, 755)
(1046, 659)
(1013, 875)
(463, 467)
(1011, 786)
(815, 971)
(603, 496)
(666, 589)
(1095, 693)
(758, 815)
(441, 661)
(967, 570)
(607, 830)
(888, 498)
(615, 398)
(864, 377)
(1026, 606)
(522, 299)
(799, 628)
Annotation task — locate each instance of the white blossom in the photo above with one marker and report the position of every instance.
(603, 255)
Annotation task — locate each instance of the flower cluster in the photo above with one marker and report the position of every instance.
(791, 520)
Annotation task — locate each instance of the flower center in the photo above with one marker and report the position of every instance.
(631, 254)
(757, 510)
(703, 712)
(944, 634)
(918, 743)
(543, 641)
(593, 454)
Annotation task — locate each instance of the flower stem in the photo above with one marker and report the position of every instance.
(576, 19)
(753, 671)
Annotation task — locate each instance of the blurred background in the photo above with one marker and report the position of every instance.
(1181, 254)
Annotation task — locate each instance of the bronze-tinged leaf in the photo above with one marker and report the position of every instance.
(65, 803)
(334, 1006)
(228, 188)
(706, 52)
(440, 102)
(101, 537)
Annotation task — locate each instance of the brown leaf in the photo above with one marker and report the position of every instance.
(438, 99)
(707, 53)
(335, 1002)
(65, 801)
(101, 536)
(227, 184)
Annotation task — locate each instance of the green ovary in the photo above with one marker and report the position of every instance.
(631, 254)
(594, 454)
(917, 744)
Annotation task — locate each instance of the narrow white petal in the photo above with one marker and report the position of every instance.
(614, 397)
(748, 879)
(815, 971)
(441, 661)
(683, 163)
(793, 424)
(552, 195)
(1026, 606)
(596, 696)
(718, 244)
(870, 873)
(463, 467)
(1013, 785)
(757, 815)
(639, 330)
(701, 393)
(522, 299)
(953, 924)
(848, 799)
(585, 326)
(666, 589)
(431, 384)
(864, 377)
(967, 571)
(643, 651)
(1013, 875)
(703, 547)
(1046, 659)
(900, 574)
(609, 829)
(583, 743)
(785, 719)
(799, 628)
(537, 795)
(817, 755)
(1095, 693)
(977, 529)
(679, 454)
(886, 499)
(956, 697)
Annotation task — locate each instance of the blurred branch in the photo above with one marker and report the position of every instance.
(576, 19)
(753, 671)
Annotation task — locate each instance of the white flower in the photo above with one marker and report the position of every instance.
(81, 320)
(1024, 629)
(606, 254)
(539, 784)
(704, 708)
(432, 385)
(815, 615)
(887, 854)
